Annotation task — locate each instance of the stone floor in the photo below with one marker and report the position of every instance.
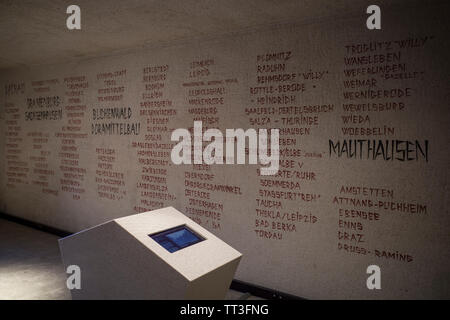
(31, 268)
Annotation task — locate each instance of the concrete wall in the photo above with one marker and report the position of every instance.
(330, 213)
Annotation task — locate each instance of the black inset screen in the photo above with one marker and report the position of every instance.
(176, 238)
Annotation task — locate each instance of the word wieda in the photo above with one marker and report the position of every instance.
(213, 153)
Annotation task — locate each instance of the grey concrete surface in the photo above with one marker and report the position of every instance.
(35, 32)
(30, 264)
(31, 267)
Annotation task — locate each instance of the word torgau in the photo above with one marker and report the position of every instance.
(213, 152)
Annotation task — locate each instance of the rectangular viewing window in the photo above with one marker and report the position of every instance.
(176, 238)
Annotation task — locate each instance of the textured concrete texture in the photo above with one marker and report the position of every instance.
(34, 32)
(30, 264)
(31, 267)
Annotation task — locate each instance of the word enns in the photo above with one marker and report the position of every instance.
(213, 152)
